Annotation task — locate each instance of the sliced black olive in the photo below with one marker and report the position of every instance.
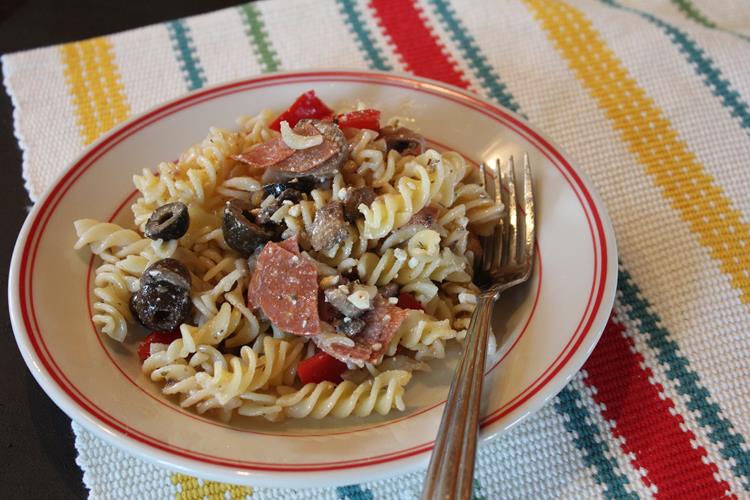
(299, 184)
(161, 306)
(240, 230)
(168, 222)
(163, 300)
(169, 272)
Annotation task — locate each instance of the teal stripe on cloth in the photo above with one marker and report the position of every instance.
(182, 43)
(354, 492)
(708, 414)
(355, 21)
(477, 61)
(703, 65)
(594, 449)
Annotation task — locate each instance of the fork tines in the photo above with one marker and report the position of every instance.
(511, 246)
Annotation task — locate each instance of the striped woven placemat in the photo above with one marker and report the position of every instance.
(651, 99)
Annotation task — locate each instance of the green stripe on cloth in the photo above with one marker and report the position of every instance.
(255, 29)
(182, 44)
(355, 21)
(692, 12)
(703, 65)
(708, 414)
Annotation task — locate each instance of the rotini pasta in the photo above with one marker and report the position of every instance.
(268, 266)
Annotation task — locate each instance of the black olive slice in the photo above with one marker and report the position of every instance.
(241, 232)
(169, 271)
(161, 307)
(163, 300)
(168, 222)
(299, 184)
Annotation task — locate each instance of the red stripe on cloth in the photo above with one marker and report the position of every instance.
(419, 47)
(647, 422)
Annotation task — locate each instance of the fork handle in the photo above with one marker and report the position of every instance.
(451, 471)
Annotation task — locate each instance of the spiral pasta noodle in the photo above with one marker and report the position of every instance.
(379, 395)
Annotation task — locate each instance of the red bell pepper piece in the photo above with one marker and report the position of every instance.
(408, 301)
(365, 118)
(319, 368)
(306, 106)
(162, 337)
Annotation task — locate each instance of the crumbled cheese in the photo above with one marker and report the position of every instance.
(360, 299)
(297, 141)
(295, 259)
(386, 318)
(295, 211)
(342, 194)
(376, 346)
(288, 203)
(393, 300)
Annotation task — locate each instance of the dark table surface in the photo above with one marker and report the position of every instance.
(36, 445)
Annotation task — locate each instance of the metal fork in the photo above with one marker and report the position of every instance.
(507, 260)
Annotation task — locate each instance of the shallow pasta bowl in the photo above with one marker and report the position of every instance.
(545, 330)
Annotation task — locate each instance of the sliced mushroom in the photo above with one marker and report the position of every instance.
(352, 300)
(240, 230)
(353, 198)
(329, 227)
(403, 140)
(425, 217)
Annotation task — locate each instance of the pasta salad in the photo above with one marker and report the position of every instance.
(304, 265)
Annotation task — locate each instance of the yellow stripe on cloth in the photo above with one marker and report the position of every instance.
(94, 85)
(651, 137)
(194, 489)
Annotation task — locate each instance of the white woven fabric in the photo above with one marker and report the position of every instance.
(643, 94)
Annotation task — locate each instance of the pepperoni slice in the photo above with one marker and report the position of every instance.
(285, 287)
(305, 160)
(267, 154)
(291, 245)
(381, 324)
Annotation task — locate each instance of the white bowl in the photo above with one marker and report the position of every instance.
(546, 329)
